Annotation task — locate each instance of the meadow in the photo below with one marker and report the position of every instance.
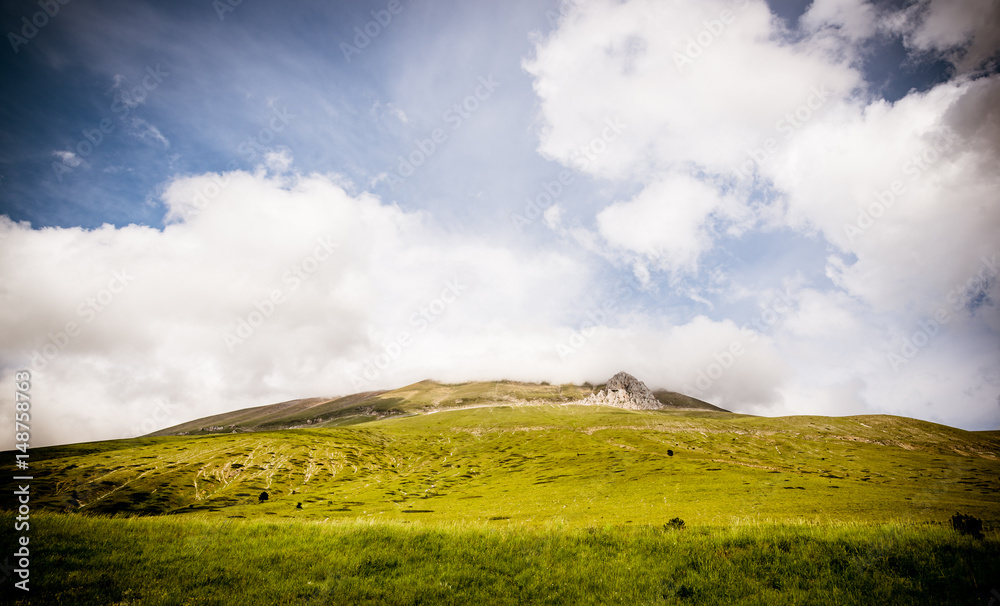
(551, 503)
(173, 560)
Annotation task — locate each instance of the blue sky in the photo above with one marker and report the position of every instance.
(702, 170)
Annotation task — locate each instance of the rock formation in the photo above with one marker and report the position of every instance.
(624, 391)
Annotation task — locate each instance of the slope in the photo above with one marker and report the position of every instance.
(423, 397)
(537, 464)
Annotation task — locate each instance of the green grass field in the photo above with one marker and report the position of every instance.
(546, 504)
(195, 560)
(532, 465)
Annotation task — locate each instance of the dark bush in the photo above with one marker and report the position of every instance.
(967, 525)
(675, 523)
(263, 497)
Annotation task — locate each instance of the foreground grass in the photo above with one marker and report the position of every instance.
(81, 560)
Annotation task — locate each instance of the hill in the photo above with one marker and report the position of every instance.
(583, 465)
(419, 398)
(510, 493)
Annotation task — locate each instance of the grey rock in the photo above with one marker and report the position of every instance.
(624, 391)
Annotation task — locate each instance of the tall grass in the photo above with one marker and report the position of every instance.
(81, 560)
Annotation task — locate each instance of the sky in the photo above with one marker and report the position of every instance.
(782, 208)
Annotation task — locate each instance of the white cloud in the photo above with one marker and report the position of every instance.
(68, 158)
(687, 82)
(686, 102)
(380, 110)
(824, 316)
(776, 132)
(854, 19)
(145, 130)
(664, 223)
(127, 318)
(277, 286)
(966, 31)
(279, 161)
(912, 244)
(733, 367)
(552, 217)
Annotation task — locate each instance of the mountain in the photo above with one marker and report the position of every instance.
(511, 456)
(499, 481)
(431, 396)
(625, 391)
(528, 453)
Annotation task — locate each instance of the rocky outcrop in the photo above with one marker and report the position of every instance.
(624, 391)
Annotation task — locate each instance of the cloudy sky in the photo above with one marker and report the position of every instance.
(783, 207)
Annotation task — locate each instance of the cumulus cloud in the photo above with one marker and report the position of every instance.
(901, 190)
(274, 285)
(853, 19)
(966, 31)
(68, 158)
(261, 287)
(686, 83)
(685, 77)
(665, 223)
(733, 117)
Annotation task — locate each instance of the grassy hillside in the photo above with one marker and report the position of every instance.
(532, 465)
(474, 502)
(680, 401)
(422, 397)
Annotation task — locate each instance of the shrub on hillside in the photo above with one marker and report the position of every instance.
(965, 524)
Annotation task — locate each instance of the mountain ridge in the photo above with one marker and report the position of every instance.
(422, 397)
